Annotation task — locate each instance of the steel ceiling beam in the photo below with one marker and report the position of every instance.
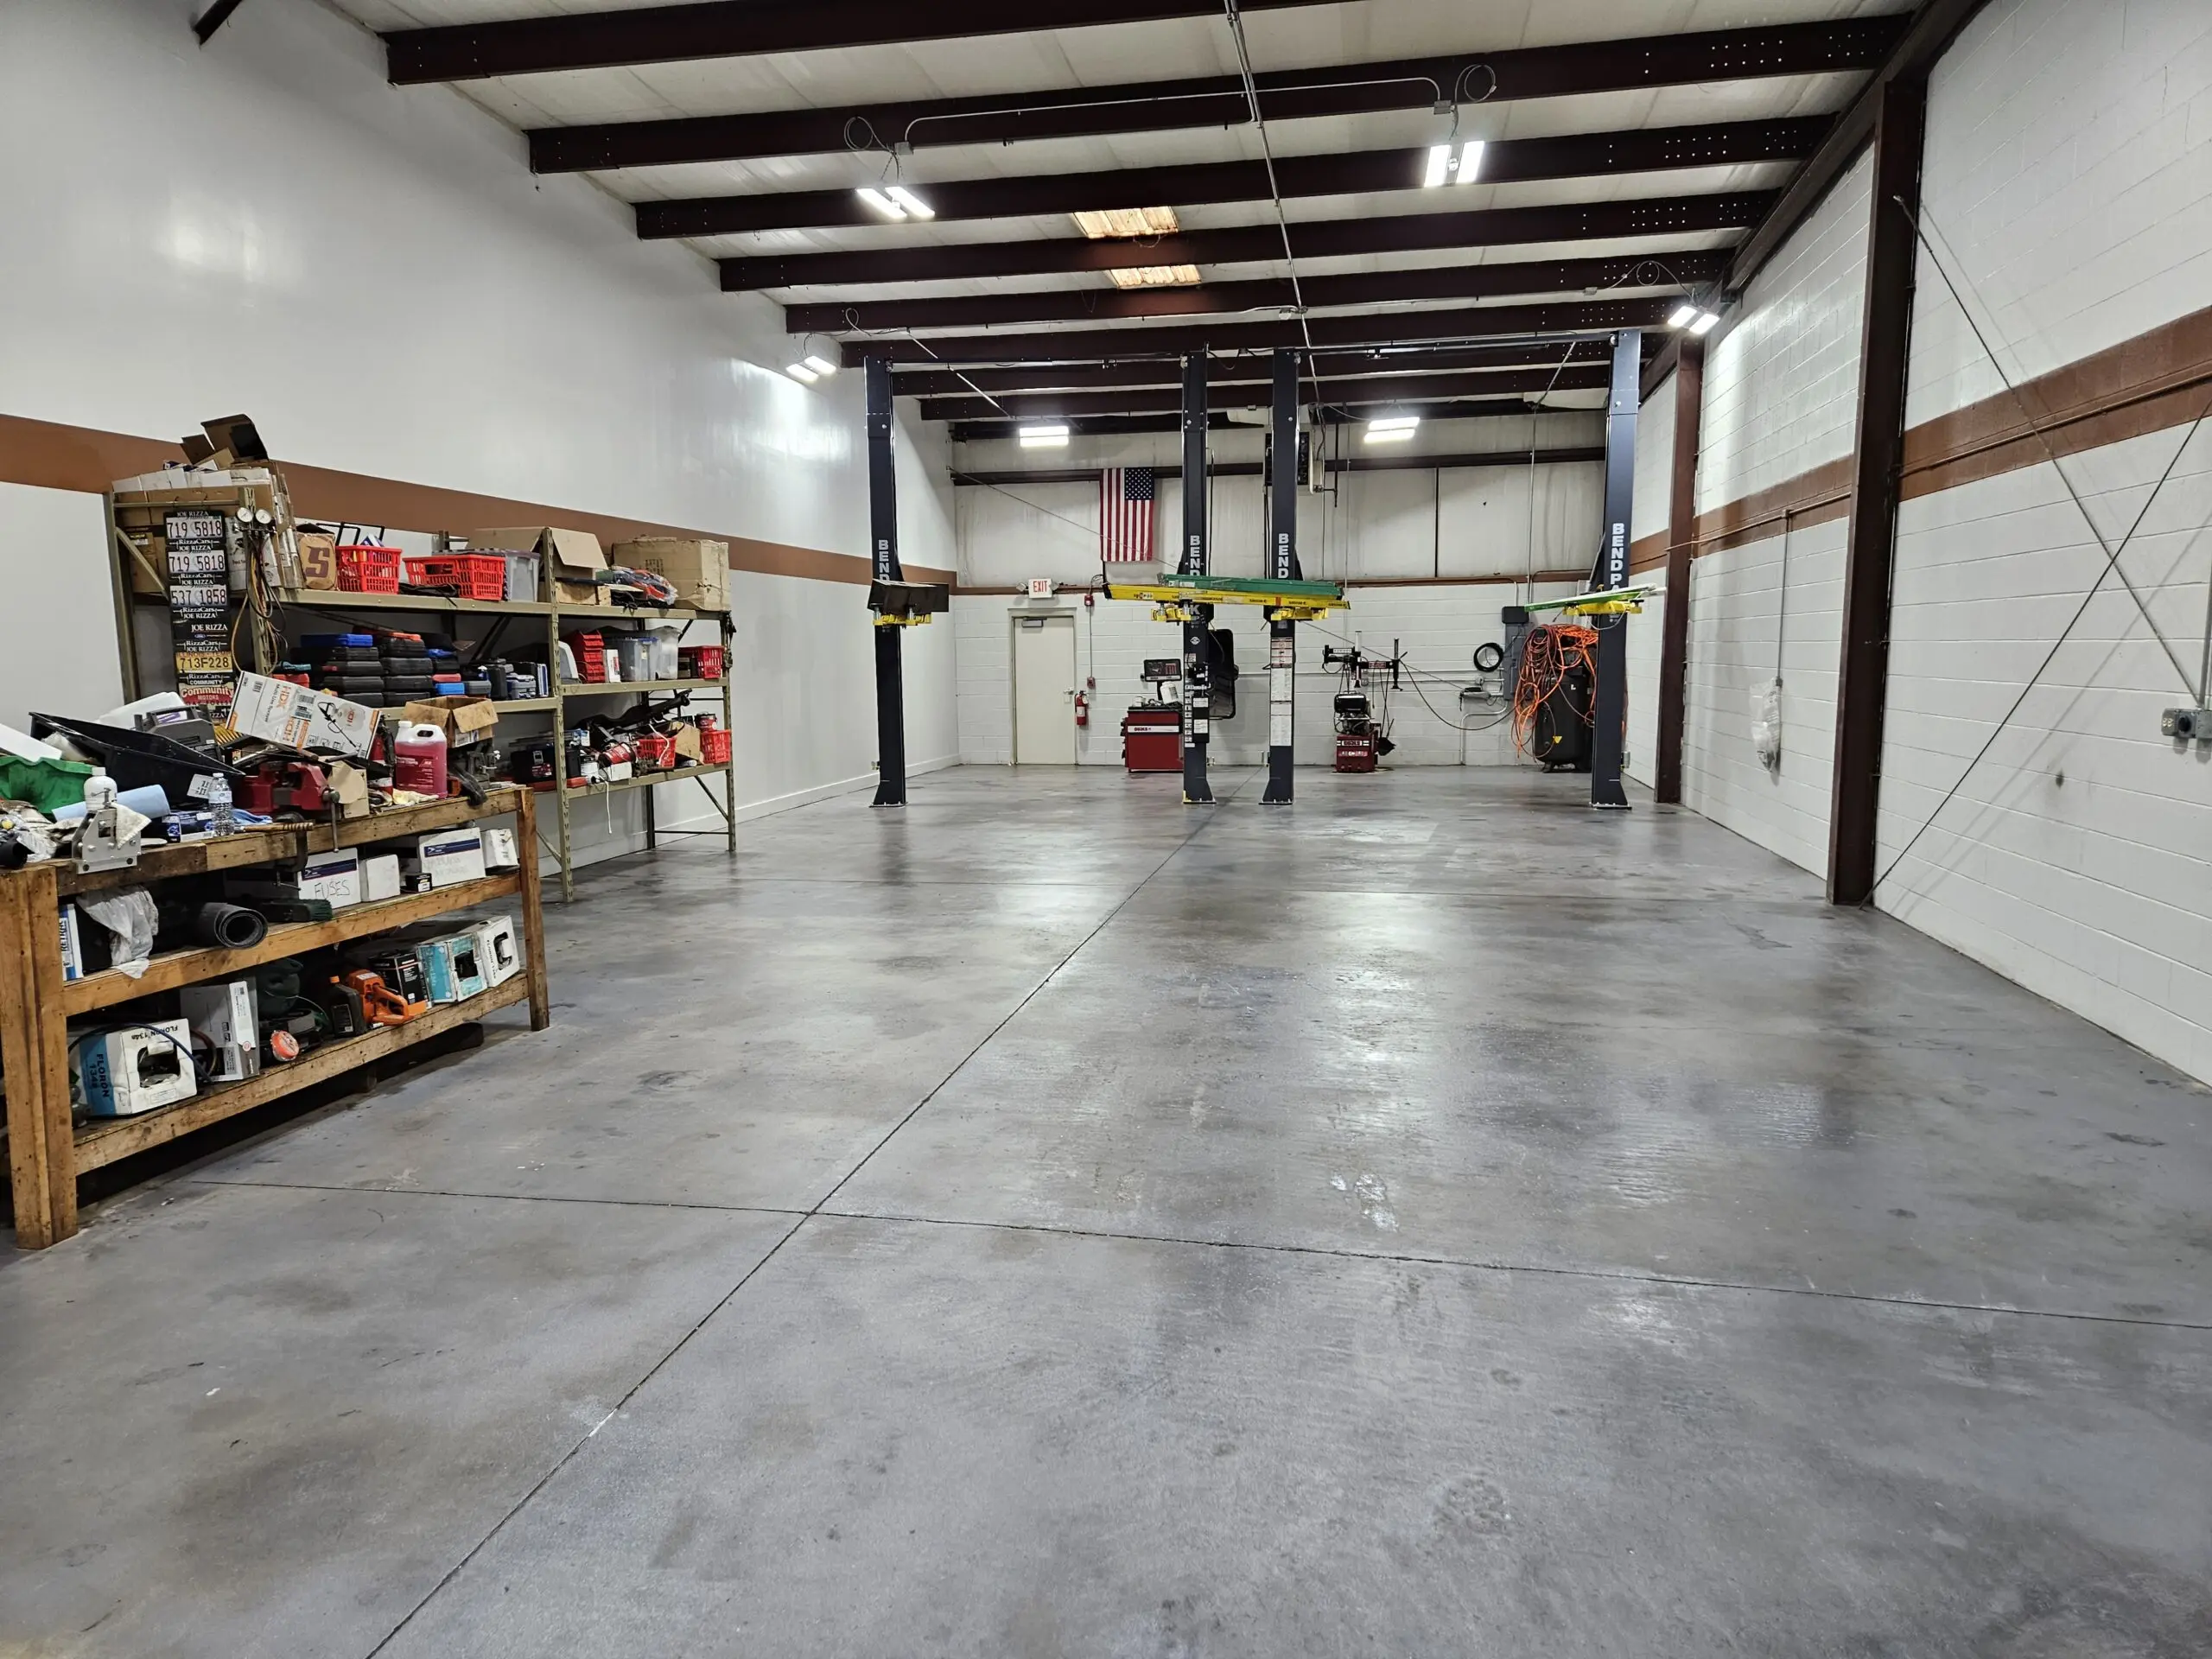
(1359, 173)
(1229, 370)
(1329, 239)
(1377, 463)
(744, 29)
(1710, 56)
(1148, 400)
(1674, 270)
(1393, 327)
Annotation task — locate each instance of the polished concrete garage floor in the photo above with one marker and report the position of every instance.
(1431, 1220)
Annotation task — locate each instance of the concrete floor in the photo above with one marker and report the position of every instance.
(1434, 1219)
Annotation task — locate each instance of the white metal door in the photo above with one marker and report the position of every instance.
(1043, 691)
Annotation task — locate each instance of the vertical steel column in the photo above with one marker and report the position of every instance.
(1609, 734)
(1197, 676)
(1900, 128)
(1681, 547)
(1282, 566)
(883, 540)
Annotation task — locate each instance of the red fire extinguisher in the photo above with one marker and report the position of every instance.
(1083, 708)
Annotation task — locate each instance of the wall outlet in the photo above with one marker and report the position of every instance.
(2187, 724)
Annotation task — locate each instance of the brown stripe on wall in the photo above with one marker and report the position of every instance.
(2158, 380)
(57, 457)
(1500, 579)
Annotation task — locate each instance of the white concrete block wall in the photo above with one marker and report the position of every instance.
(2069, 186)
(2076, 855)
(1735, 617)
(1781, 395)
(1782, 384)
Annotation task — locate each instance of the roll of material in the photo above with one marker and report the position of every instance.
(228, 927)
(150, 801)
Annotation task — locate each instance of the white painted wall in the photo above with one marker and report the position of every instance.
(2070, 179)
(374, 274)
(1484, 522)
(1781, 390)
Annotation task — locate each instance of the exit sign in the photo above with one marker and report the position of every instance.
(1040, 587)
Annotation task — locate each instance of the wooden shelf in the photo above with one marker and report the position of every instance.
(282, 842)
(648, 780)
(104, 1140)
(165, 973)
(640, 688)
(318, 599)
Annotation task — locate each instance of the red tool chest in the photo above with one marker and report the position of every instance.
(1152, 739)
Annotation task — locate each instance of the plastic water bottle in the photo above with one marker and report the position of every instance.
(220, 820)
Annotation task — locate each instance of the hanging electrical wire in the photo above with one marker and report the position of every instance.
(1552, 652)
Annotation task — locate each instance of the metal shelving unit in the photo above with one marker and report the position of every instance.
(555, 614)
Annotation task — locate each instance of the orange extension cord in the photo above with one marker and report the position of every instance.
(1551, 650)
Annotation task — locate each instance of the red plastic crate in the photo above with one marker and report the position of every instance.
(590, 652)
(479, 576)
(366, 569)
(700, 662)
(714, 748)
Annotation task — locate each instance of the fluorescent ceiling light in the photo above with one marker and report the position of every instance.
(1705, 323)
(913, 204)
(1471, 163)
(1128, 221)
(801, 374)
(1043, 437)
(882, 203)
(821, 366)
(1439, 167)
(1685, 314)
(1155, 276)
(1392, 429)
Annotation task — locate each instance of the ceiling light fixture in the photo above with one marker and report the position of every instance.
(882, 203)
(1705, 323)
(1695, 318)
(1155, 276)
(1127, 221)
(1685, 314)
(1471, 163)
(1439, 167)
(801, 374)
(822, 365)
(1392, 429)
(1044, 437)
(913, 204)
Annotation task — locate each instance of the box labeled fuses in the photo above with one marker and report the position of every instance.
(334, 877)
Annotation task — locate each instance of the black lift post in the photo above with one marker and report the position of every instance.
(1198, 675)
(1609, 734)
(1282, 565)
(883, 536)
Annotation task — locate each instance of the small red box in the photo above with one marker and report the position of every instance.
(714, 745)
(366, 569)
(479, 576)
(700, 662)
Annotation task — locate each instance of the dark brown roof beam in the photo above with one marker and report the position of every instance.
(1715, 56)
(1461, 324)
(1143, 400)
(744, 29)
(1361, 173)
(1228, 370)
(1674, 270)
(1327, 238)
(1254, 469)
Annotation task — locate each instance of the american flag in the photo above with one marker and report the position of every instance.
(1126, 501)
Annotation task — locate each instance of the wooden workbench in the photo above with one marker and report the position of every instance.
(47, 1151)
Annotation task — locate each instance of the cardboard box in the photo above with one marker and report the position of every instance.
(223, 1016)
(333, 876)
(380, 877)
(463, 719)
(134, 1068)
(699, 569)
(572, 557)
(447, 857)
(299, 718)
(499, 952)
(500, 851)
